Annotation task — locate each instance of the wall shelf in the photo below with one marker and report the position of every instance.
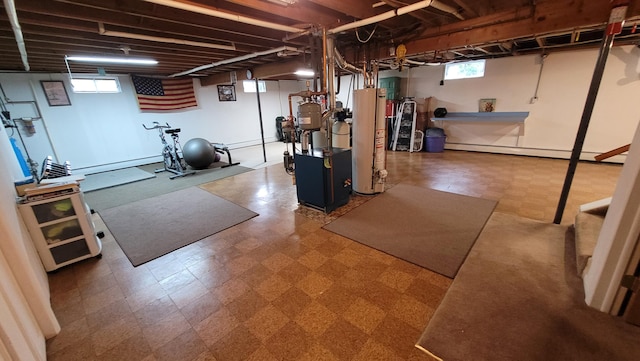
(486, 117)
(508, 117)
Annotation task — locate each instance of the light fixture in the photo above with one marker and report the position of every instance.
(283, 2)
(305, 72)
(112, 60)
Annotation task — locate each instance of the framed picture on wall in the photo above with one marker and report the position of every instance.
(226, 93)
(55, 92)
(487, 105)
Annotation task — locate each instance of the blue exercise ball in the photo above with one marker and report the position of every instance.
(198, 153)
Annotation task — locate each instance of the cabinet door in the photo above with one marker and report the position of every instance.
(63, 230)
(70, 251)
(51, 211)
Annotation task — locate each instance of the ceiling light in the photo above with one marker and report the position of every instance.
(283, 2)
(112, 60)
(304, 72)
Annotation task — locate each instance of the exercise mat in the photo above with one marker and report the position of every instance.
(161, 184)
(155, 226)
(430, 228)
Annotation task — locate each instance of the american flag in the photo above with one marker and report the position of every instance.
(164, 94)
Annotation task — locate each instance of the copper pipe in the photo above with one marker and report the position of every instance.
(324, 60)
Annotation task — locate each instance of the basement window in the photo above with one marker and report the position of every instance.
(468, 69)
(249, 86)
(95, 85)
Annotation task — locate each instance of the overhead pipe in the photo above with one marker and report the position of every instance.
(374, 19)
(343, 64)
(121, 34)
(324, 60)
(331, 69)
(17, 32)
(201, 9)
(396, 12)
(447, 9)
(236, 59)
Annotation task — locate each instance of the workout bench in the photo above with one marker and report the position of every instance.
(221, 148)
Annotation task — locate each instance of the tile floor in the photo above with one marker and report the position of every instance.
(279, 287)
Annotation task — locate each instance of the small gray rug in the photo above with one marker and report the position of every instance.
(155, 226)
(430, 228)
(113, 178)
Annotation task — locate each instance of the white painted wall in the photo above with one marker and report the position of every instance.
(26, 318)
(553, 122)
(104, 131)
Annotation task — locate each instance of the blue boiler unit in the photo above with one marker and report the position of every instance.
(323, 181)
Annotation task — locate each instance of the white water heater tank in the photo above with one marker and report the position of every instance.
(368, 140)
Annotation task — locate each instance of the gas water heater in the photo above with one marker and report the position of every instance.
(368, 143)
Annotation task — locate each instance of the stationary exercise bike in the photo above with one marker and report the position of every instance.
(173, 161)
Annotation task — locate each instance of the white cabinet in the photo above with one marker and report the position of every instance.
(61, 227)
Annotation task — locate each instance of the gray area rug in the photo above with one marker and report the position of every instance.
(153, 227)
(126, 193)
(429, 228)
(113, 178)
(518, 297)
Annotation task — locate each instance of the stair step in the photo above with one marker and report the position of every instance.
(587, 229)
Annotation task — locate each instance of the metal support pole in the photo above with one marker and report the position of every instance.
(584, 124)
(264, 149)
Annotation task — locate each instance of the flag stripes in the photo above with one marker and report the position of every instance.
(164, 94)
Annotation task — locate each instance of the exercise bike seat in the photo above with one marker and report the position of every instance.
(172, 131)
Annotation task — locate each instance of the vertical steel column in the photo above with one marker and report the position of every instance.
(614, 27)
(264, 150)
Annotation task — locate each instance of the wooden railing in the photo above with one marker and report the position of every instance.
(611, 153)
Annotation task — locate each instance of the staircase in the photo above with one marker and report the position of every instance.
(587, 225)
(589, 221)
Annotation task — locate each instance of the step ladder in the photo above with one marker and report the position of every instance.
(404, 132)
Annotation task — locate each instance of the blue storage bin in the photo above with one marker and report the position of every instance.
(435, 144)
(434, 140)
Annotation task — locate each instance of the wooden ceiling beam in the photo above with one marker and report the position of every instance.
(137, 14)
(297, 12)
(547, 17)
(185, 32)
(468, 11)
(87, 44)
(360, 10)
(266, 71)
(354, 9)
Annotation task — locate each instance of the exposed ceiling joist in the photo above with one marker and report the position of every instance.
(181, 40)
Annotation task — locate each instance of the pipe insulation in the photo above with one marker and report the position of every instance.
(397, 12)
(122, 34)
(17, 31)
(201, 9)
(447, 9)
(236, 59)
(344, 65)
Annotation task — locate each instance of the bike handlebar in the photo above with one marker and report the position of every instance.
(156, 125)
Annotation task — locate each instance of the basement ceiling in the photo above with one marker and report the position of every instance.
(209, 38)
